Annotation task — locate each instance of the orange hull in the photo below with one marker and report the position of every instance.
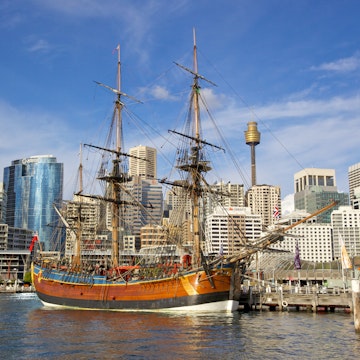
(193, 289)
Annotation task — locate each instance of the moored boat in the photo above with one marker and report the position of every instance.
(191, 281)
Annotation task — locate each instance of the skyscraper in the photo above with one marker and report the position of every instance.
(143, 189)
(316, 188)
(263, 199)
(228, 229)
(33, 185)
(88, 210)
(3, 201)
(143, 162)
(148, 196)
(224, 194)
(346, 225)
(354, 181)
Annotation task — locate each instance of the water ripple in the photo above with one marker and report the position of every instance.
(30, 331)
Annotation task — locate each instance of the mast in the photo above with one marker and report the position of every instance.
(81, 172)
(196, 89)
(115, 222)
(117, 177)
(195, 159)
(195, 165)
(76, 260)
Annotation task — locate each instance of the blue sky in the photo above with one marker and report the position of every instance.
(292, 66)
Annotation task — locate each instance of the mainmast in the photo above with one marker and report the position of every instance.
(196, 90)
(195, 151)
(195, 166)
(81, 186)
(118, 104)
(115, 222)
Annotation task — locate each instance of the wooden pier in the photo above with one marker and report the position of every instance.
(303, 299)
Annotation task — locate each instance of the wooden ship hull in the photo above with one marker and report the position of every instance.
(191, 291)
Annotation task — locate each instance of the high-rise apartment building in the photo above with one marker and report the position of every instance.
(354, 182)
(228, 229)
(316, 188)
(314, 239)
(309, 177)
(14, 245)
(226, 195)
(144, 190)
(177, 213)
(14, 238)
(345, 222)
(3, 201)
(88, 211)
(177, 203)
(146, 198)
(33, 185)
(142, 162)
(152, 235)
(263, 199)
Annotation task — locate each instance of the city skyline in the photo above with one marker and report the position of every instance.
(293, 68)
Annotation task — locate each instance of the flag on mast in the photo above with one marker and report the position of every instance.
(33, 241)
(345, 259)
(297, 262)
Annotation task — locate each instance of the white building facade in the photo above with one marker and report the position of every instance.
(314, 239)
(227, 229)
(142, 162)
(263, 199)
(345, 222)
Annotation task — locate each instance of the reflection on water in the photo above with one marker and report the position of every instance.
(143, 335)
(29, 331)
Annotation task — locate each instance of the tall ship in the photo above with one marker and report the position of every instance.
(191, 281)
(188, 280)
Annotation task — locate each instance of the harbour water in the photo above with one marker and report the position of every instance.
(30, 331)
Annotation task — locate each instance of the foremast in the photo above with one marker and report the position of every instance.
(117, 176)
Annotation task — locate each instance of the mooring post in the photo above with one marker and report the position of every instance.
(355, 286)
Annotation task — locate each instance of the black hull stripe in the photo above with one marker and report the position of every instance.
(136, 305)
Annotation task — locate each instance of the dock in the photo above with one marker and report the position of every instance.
(306, 298)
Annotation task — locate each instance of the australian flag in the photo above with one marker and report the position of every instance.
(297, 262)
(276, 212)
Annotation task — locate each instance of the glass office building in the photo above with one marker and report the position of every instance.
(33, 185)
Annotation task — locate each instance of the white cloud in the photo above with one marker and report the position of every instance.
(35, 132)
(305, 108)
(287, 204)
(161, 93)
(297, 135)
(212, 99)
(348, 64)
(137, 17)
(111, 9)
(39, 45)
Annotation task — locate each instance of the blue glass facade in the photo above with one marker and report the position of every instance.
(33, 185)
